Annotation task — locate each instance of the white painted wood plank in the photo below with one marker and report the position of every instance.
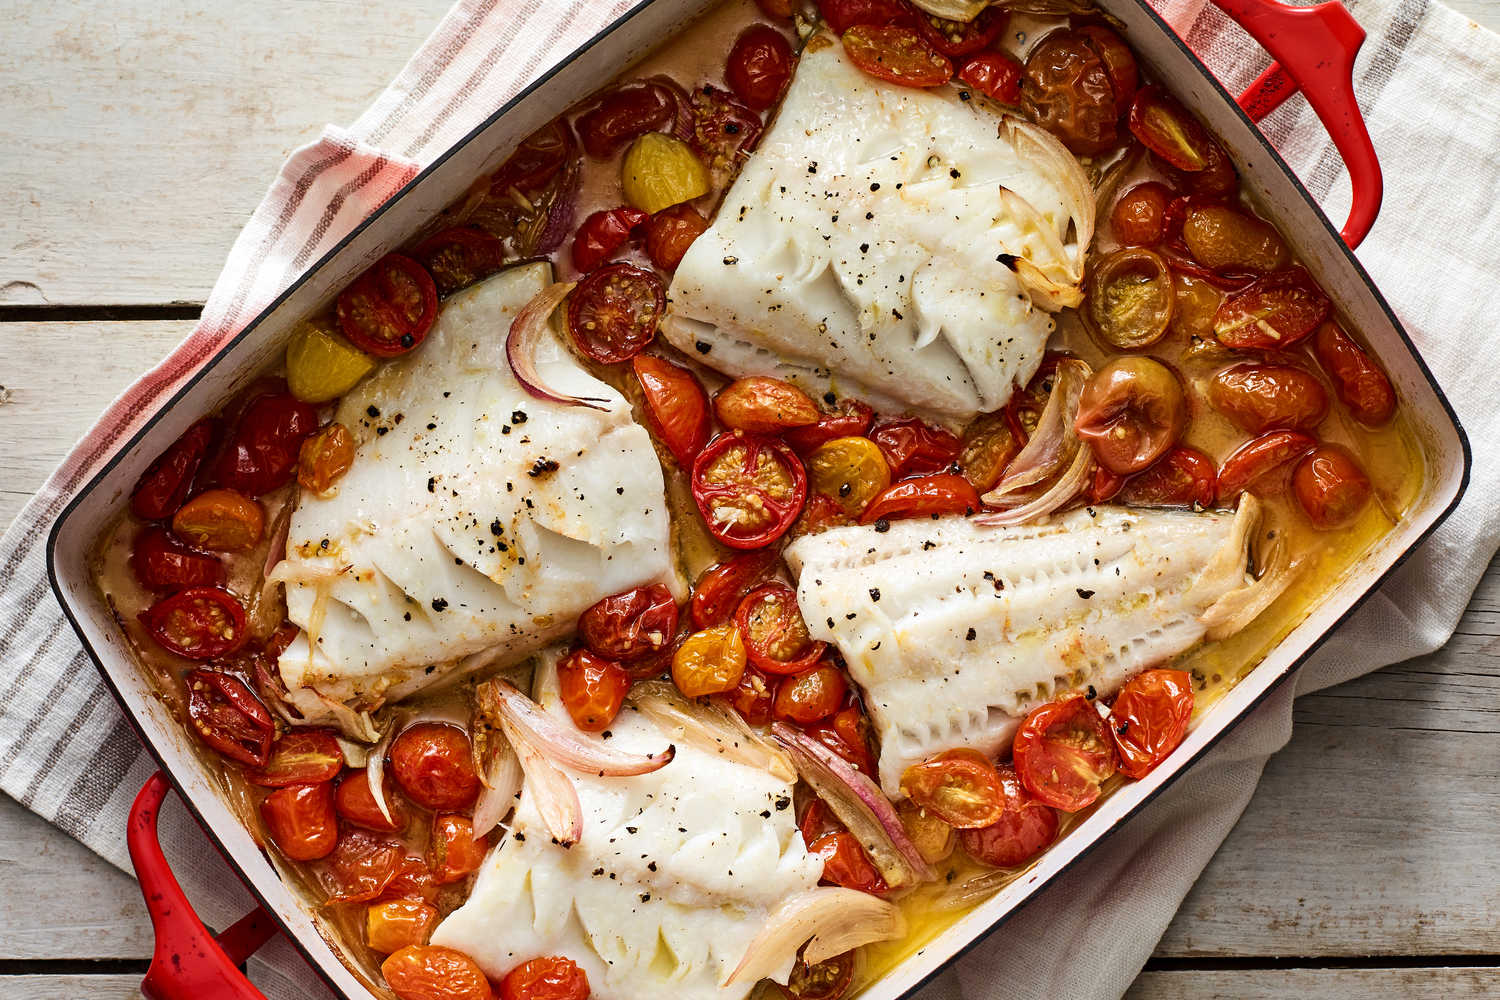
(69, 987)
(1302, 984)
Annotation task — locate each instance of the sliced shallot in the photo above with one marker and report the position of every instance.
(500, 699)
(831, 920)
(375, 767)
(553, 791)
(526, 332)
(1051, 449)
(710, 726)
(500, 784)
(1071, 483)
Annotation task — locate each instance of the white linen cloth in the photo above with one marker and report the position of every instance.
(1429, 82)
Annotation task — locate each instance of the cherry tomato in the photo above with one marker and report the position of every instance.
(1119, 61)
(847, 734)
(1105, 487)
(167, 481)
(454, 853)
(1195, 302)
(851, 471)
(614, 312)
(710, 661)
(963, 38)
(398, 923)
(754, 697)
(719, 590)
(324, 458)
(775, 8)
(1168, 130)
(724, 131)
(1069, 91)
(1252, 461)
(811, 696)
(427, 972)
(776, 637)
(760, 66)
(1358, 380)
(1149, 719)
(537, 159)
(300, 757)
(412, 879)
(228, 717)
(356, 803)
(821, 513)
(914, 448)
(933, 838)
(1139, 218)
(162, 561)
(989, 444)
(1275, 312)
(815, 821)
(1063, 751)
(260, 453)
(1131, 411)
(829, 979)
(764, 405)
(748, 489)
(630, 625)
(960, 787)
(458, 257)
(593, 689)
(221, 520)
(670, 232)
(602, 234)
(1183, 477)
(200, 623)
(1024, 410)
(1264, 397)
(898, 55)
(300, 821)
(994, 74)
(434, 765)
(1025, 828)
(1129, 298)
(1225, 239)
(852, 418)
(545, 979)
(361, 867)
(845, 862)
(842, 15)
(388, 310)
(926, 496)
(676, 406)
(1331, 487)
(625, 114)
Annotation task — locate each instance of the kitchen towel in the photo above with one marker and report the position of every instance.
(1429, 82)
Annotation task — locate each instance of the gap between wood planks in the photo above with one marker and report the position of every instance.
(99, 313)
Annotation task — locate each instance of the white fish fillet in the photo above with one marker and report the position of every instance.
(859, 248)
(673, 877)
(956, 630)
(455, 540)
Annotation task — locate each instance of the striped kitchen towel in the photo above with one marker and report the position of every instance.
(1430, 84)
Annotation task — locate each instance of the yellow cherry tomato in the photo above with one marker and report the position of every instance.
(851, 471)
(661, 171)
(709, 662)
(321, 365)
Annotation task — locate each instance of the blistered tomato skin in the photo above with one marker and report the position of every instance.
(398, 923)
(354, 802)
(1360, 383)
(550, 978)
(1331, 487)
(1183, 477)
(624, 114)
(762, 405)
(1139, 218)
(811, 696)
(851, 418)
(220, 520)
(301, 821)
(162, 561)
(324, 459)
(760, 66)
(261, 451)
(1250, 464)
(1131, 411)
(924, 496)
(671, 232)
(710, 661)
(434, 765)
(165, 484)
(602, 233)
(1149, 719)
(593, 688)
(630, 625)
(915, 448)
(719, 590)
(1069, 91)
(1222, 238)
(428, 972)
(454, 853)
(1265, 397)
(995, 75)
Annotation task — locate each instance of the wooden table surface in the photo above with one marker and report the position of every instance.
(135, 141)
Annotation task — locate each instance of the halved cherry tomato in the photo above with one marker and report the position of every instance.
(748, 489)
(1139, 218)
(989, 444)
(593, 689)
(428, 972)
(537, 159)
(1264, 397)
(926, 496)
(221, 520)
(821, 513)
(829, 979)
(260, 453)
(200, 623)
(710, 661)
(1130, 298)
(719, 590)
(614, 312)
(300, 757)
(603, 233)
(1063, 751)
(1358, 380)
(1254, 460)
(1275, 312)
(851, 471)
(324, 458)
(1149, 719)
(301, 822)
(670, 232)
(815, 820)
(845, 862)
(753, 697)
(763, 405)
(1131, 411)
(898, 55)
(1183, 477)
(361, 867)
(398, 923)
(776, 637)
(454, 853)
(915, 448)
(624, 114)
(1070, 92)
(847, 734)
(630, 625)
(167, 481)
(1168, 130)
(994, 74)
(1025, 827)
(933, 838)
(963, 38)
(356, 803)
(162, 561)
(842, 15)
(960, 787)
(676, 406)
(545, 979)
(388, 310)
(434, 765)
(228, 717)
(760, 66)
(811, 696)
(852, 418)
(1331, 487)
(458, 257)
(724, 131)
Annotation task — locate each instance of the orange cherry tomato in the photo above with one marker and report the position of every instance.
(1025, 828)
(851, 418)
(989, 444)
(718, 591)
(1359, 381)
(1183, 477)
(851, 471)
(356, 803)
(550, 978)
(454, 853)
(602, 233)
(914, 448)
(830, 979)
(1132, 410)
(427, 972)
(930, 835)
(709, 662)
(670, 232)
(929, 496)
(748, 489)
(301, 821)
(167, 481)
(811, 696)
(1168, 130)
(960, 787)
(1063, 751)
(1264, 397)
(614, 312)
(845, 862)
(398, 923)
(898, 55)
(676, 406)
(228, 717)
(630, 625)
(1227, 240)
(199, 623)
(754, 697)
(162, 561)
(762, 405)
(388, 310)
(220, 520)
(300, 757)
(361, 867)
(776, 638)
(1331, 487)
(1149, 719)
(593, 689)
(324, 458)
(994, 74)
(760, 66)
(434, 765)
(1272, 313)
(458, 257)
(1139, 218)
(1254, 460)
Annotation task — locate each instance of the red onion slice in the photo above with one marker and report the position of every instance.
(518, 713)
(831, 920)
(526, 332)
(562, 210)
(553, 792)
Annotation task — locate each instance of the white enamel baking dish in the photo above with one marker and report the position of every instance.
(1316, 45)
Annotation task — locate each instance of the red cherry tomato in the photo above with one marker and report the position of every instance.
(458, 257)
(775, 8)
(593, 688)
(845, 862)
(1025, 827)
(748, 489)
(930, 496)
(1106, 486)
(995, 75)
(1273, 312)
(1169, 130)
(811, 696)
(963, 38)
(624, 114)
(1063, 751)
(960, 787)
(847, 734)
(454, 853)
(724, 130)
(429, 972)
(167, 481)
(815, 821)
(852, 419)
(1358, 380)
(830, 979)
(1149, 719)
(760, 66)
(630, 625)
(388, 310)
(1183, 477)
(162, 561)
(754, 698)
(897, 55)
(228, 717)
(759, 404)
(1131, 411)
(200, 623)
(842, 15)
(537, 160)
(1139, 218)
(301, 822)
(670, 232)
(914, 448)
(434, 765)
(261, 451)
(1252, 461)
(614, 312)
(602, 234)
(718, 591)
(676, 406)
(362, 867)
(776, 638)
(545, 979)
(1331, 487)
(300, 757)
(1265, 397)
(356, 803)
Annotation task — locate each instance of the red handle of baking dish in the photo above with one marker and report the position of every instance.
(1314, 49)
(189, 963)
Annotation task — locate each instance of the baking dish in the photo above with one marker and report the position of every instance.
(1302, 39)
